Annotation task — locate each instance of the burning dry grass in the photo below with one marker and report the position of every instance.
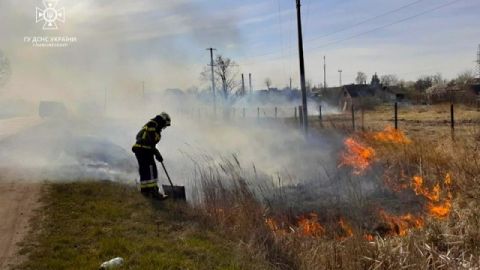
(432, 223)
(357, 156)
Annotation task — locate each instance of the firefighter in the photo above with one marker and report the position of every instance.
(146, 153)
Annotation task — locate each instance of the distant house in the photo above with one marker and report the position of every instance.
(452, 92)
(353, 94)
(387, 93)
(330, 95)
(475, 90)
(475, 87)
(359, 94)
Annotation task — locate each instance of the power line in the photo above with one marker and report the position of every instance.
(341, 30)
(367, 20)
(367, 32)
(387, 25)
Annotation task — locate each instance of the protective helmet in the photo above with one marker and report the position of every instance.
(166, 118)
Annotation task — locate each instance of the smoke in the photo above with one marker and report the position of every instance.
(99, 81)
(120, 44)
(4, 69)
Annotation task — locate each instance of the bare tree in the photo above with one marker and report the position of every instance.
(464, 79)
(268, 83)
(423, 83)
(361, 78)
(225, 70)
(4, 69)
(438, 79)
(389, 80)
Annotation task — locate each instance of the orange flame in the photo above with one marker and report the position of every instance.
(433, 195)
(346, 228)
(448, 180)
(357, 156)
(400, 225)
(436, 207)
(273, 226)
(309, 226)
(440, 210)
(391, 135)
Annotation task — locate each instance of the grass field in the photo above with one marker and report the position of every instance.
(231, 227)
(414, 120)
(83, 224)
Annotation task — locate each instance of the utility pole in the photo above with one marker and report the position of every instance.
(302, 68)
(250, 82)
(324, 73)
(478, 62)
(213, 83)
(243, 85)
(340, 73)
(290, 83)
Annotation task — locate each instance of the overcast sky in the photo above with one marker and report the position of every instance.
(163, 42)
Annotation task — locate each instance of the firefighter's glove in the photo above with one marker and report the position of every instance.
(159, 157)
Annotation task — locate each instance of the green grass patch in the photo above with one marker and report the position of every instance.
(80, 225)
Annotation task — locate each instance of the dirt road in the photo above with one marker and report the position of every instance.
(11, 126)
(18, 201)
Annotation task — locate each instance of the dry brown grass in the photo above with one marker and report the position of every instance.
(431, 121)
(234, 202)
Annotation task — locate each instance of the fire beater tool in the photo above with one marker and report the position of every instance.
(175, 192)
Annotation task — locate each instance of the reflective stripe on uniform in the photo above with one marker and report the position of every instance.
(153, 121)
(149, 129)
(142, 146)
(148, 183)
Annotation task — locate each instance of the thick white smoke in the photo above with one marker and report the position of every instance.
(99, 80)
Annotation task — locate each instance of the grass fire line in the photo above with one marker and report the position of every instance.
(359, 157)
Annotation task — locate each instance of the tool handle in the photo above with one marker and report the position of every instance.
(168, 176)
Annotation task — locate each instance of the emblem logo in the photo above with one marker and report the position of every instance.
(50, 15)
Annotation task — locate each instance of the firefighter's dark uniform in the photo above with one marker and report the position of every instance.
(146, 152)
